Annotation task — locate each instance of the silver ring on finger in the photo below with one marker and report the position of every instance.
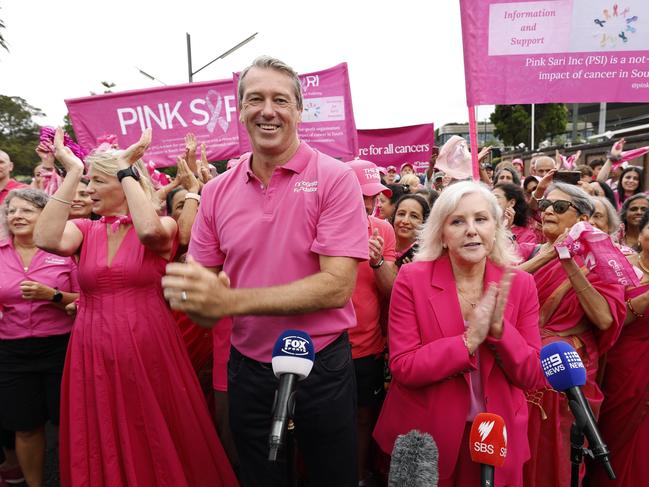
(183, 296)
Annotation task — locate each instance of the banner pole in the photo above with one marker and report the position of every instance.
(532, 134)
(473, 137)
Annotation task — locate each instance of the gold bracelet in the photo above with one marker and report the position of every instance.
(633, 311)
(60, 200)
(465, 339)
(583, 289)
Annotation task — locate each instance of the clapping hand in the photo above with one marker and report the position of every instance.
(376, 247)
(204, 172)
(64, 155)
(136, 151)
(186, 178)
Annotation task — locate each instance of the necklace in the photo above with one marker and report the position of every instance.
(461, 294)
(641, 265)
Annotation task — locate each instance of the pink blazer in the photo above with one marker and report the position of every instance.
(430, 388)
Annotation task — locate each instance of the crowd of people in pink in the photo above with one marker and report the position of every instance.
(139, 315)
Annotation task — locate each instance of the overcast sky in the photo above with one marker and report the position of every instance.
(405, 57)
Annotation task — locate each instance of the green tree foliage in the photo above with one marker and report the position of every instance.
(69, 129)
(513, 123)
(19, 133)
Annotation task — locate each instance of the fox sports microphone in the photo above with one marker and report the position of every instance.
(293, 357)
(414, 461)
(488, 445)
(565, 372)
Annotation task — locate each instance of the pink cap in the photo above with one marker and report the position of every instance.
(368, 175)
(391, 168)
(406, 164)
(382, 170)
(518, 162)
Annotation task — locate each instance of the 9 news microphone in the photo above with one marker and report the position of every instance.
(488, 445)
(293, 357)
(565, 372)
(414, 461)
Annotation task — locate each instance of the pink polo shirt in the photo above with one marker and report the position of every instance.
(23, 318)
(367, 337)
(271, 236)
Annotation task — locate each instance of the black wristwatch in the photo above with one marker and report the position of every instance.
(129, 172)
(58, 296)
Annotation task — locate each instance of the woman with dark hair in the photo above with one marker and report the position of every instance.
(511, 199)
(624, 418)
(600, 188)
(631, 213)
(386, 204)
(631, 182)
(410, 213)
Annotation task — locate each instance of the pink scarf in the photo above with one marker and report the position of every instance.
(116, 220)
(629, 155)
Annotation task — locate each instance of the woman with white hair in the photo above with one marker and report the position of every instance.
(132, 412)
(464, 338)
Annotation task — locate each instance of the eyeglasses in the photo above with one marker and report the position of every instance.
(559, 206)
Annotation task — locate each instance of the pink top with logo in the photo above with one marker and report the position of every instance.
(274, 235)
(367, 337)
(23, 318)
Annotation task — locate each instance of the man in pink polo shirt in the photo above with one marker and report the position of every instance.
(371, 297)
(282, 233)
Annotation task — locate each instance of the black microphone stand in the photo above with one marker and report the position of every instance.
(577, 449)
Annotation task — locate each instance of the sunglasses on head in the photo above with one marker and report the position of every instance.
(559, 206)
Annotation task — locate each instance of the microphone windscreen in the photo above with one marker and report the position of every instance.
(562, 366)
(293, 353)
(414, 461)
(488, 443)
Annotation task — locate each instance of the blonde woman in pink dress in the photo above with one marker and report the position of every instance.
(132, 413)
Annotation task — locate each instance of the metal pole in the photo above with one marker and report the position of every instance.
(532, 135)
(189, 56)
(575, 121)
(602, 118)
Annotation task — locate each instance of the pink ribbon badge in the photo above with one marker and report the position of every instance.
(215, 110)
(599, 253)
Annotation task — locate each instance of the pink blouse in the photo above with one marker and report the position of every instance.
(24, 318)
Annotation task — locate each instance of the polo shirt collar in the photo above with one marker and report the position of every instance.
(295, 164)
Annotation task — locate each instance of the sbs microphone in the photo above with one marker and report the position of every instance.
(293, 357)
(414, 461)
(565, 372)
(488, 445)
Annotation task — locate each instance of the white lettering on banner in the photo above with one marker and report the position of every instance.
(310, 80)
(375, 150)
(169, 115)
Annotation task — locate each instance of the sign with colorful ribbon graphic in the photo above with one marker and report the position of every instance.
(547, 51)
(206, 109)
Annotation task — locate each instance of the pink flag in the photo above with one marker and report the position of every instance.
(629, 155)
(455, 159)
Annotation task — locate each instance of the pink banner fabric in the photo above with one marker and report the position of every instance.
(207, 109)
(395, 146)
(328, 117)
(555, 51)
(599, 252)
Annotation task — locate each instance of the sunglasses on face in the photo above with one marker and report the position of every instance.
(559, 206)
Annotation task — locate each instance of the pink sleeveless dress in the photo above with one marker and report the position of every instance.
(132, 412)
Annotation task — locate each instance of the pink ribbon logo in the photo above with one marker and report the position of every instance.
(215, 111)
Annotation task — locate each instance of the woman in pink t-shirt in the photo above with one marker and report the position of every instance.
(34, 331)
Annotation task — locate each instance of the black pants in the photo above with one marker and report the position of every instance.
(325, 419)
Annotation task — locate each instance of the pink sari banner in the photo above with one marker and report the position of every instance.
(394, 146)
(328, 117)
(207, 109)
(577, 51)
